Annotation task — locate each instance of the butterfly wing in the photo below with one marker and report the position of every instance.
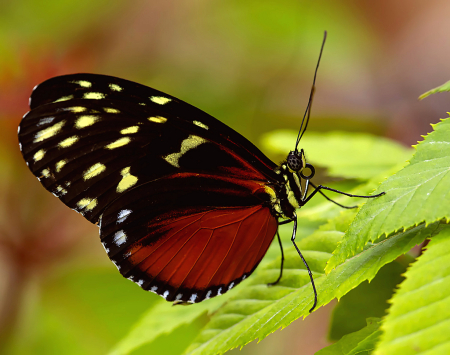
(88, 138)
(191, 251)
(105, 146)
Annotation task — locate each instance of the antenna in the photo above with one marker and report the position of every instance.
(311, 95)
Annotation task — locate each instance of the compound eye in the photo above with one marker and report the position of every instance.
(294, 161)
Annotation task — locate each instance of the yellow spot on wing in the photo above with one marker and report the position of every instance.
(200, 124)
(189, 143)
(111, 110)
(39, 155)
(87, 203)
(127, 181)
(45, 173)
(83, 83)
(157, 119)
(86, 121)
(76, 109)
(161, 100)
(94, 170)
(64, 98)
(48, 132)
(68, 142)
(94, 95)
(119, 143)
(115, 87)
(60, 190)
(60, 164)
(130, 130)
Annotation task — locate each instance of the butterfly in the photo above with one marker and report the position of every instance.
(186, 206)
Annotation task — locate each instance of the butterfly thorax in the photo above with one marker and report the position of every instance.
(286, 195)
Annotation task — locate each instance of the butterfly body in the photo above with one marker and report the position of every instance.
(186, 206)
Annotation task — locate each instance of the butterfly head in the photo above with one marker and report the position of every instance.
(296, 160)
(296, 163)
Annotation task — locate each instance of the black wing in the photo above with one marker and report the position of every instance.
(89, 138)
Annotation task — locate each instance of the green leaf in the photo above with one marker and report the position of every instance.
(365, 301)
(443, 88)
(349, 155)
(419, 319)
(418, 193)
(359, 342)
(163, 319)
(257, 310)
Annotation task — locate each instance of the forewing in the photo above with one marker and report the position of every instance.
(92, 138)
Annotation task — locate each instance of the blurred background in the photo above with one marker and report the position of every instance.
(248, 63)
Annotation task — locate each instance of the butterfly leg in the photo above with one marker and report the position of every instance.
(321, 187)
(282, 262)
(294, 233)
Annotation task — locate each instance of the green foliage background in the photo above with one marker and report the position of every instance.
(250, 65)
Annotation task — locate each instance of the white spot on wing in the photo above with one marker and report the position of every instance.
(219, 291)
(165, 294)
(160, 100)
(187, 144)
(120, 238)
(104, 247)
(123, 215)
(208, 295)
(154, 288)
(231, 286)
(115, 264)
(179, 296)
(193, 298)
(45, 120)
(140, 282)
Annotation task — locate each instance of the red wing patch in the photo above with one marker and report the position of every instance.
(202, 255)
